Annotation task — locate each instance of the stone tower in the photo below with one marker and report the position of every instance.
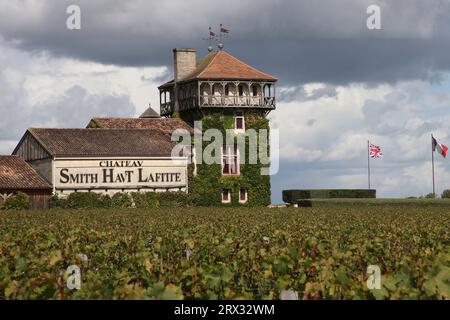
(223, 93)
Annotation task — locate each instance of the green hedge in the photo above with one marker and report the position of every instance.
(413, 203)
(19, 201)
(79, 200)
(445, 194)
(86, 200)
(292, 196)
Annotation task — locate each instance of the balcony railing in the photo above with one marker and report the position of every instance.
(167, 108)
(189, 103)
(232, 100)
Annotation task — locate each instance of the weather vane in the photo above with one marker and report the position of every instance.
(223, 33)
(218, 37)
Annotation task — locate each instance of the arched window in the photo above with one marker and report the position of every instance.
(243, 195)
(226, 196)
(267, 90)
(255, 90)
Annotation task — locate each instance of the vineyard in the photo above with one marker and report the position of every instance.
(226, 253)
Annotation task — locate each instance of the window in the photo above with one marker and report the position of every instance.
(213, 89)
(242, 195)
(255, 91)
(227, 90)
(226, 196)
(230, 161)
(241, 90)
(239, 121)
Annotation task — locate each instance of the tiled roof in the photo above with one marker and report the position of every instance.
(16, 174)
(104, 142)
(163, 125)
(222, 65)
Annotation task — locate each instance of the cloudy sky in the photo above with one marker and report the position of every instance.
(340, 83)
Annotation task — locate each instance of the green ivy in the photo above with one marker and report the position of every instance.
(206, 187)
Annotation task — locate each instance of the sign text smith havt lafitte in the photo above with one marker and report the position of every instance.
(91, 173)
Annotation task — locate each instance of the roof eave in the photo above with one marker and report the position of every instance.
(227, 79)
(76, 156)
(167, 85)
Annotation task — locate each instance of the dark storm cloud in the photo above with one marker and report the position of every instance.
(298, 41)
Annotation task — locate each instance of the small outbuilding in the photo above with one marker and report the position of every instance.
(18, 176)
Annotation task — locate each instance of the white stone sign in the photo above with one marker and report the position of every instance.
(130, 173)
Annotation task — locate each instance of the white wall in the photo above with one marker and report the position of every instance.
(112, 175)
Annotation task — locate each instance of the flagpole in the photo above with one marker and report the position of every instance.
(432, 165)
(368, 163)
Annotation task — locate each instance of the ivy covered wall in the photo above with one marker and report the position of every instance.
(205, 188)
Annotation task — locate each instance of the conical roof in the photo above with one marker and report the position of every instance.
(149, 113)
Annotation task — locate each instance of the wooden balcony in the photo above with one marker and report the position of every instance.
(167, 108)
(218, 94)
(237, 101)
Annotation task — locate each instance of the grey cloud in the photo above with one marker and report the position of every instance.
(391, 115)
(299, 94)
(378, 114)
(166, 76)
(73, 109)
(299, 41)
(76, 107)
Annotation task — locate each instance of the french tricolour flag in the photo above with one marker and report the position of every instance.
(441, 148)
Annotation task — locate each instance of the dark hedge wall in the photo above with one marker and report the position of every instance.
(292, 196)
(205, 189)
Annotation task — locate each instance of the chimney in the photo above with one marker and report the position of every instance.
(184, 62)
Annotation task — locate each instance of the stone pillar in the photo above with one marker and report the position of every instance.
(236, 93)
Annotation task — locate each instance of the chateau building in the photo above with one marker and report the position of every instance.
(136, 154)
(104, 160)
